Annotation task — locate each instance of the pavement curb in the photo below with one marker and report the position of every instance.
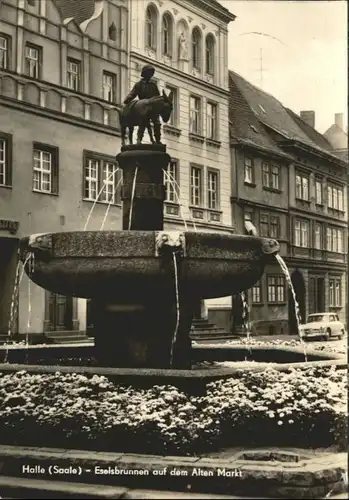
(302, 477)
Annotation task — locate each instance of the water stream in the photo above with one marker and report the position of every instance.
(177, 190)
(174, 338)
(132, 197)
(286, 272)
(109, 204)
(20, 269)
(245, 318)
(98, 195)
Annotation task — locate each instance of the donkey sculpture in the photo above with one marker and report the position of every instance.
(143, 113)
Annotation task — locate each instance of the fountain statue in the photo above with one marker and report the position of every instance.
(144, 281)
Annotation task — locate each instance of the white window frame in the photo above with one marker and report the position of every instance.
(167, 35)
(212, 189)
(248, 170)
(3, 162)
(276, 289)
(211, 120)
(257, 293)
(317, 236)
(195, 115)
(42, 168)
(32, 61)
(196, 186)
(209, 55)
(109, 87)
(150, 28)
(318, 192)
(100, 173)
(335, 292)
(4, 51)
(302, 187)
(196, 48)
(171, 182)
(174, 115)
(73, 74)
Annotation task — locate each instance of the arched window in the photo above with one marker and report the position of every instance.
(112, 31)
(196, 52)
(210, 45)
(167, 35)
(150, 28)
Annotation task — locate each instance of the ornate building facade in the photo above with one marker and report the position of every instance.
(187, 43)
(63, 68)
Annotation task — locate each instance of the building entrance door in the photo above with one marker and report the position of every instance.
(60, 312)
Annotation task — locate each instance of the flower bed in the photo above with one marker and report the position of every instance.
(318, 346)
(295, 408)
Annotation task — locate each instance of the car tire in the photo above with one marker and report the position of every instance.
(341, 335)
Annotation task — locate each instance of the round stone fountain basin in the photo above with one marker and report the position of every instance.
(127, 265)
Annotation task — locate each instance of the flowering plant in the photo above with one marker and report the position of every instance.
(305, 407)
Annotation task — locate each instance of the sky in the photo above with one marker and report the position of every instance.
(303, 57)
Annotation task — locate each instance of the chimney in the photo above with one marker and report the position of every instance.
(308, 117)
(339, 120)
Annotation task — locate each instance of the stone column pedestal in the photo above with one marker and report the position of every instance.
(140, 334)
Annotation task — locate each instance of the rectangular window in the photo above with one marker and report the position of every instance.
(266, 174)
(5, 160)
(211, 131)
(269, 226)
(335, 292)
(275, 177)
(318, 192)
(256, 294)
(248, 215)
(4, 51)
(301, 233)
(171, 182)
(33, 57)
(109, 86)
(302, 187)
(276, 289)
(101, 179)
(196, 186)
(317, 239)
(334, 240)
(73, 74)
(45, 169)
(335, 197)
(174, 115)
(248, 170)
(264, 225)
(271, 176)
(212, 190)
(195, 115)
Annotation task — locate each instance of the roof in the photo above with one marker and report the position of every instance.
(80, 10)
(337, 137)
(243, 123)
(313, 134)
(269, 111)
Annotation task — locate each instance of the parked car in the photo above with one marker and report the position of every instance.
(322, 325)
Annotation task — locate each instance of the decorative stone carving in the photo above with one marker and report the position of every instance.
(190, 19)
(203, 26)
(175, 11)
(151, 53)
(216, 33)
(209, 78)
(167, 60)
(183, 47)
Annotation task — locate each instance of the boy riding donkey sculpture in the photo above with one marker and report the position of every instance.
(149, 106)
